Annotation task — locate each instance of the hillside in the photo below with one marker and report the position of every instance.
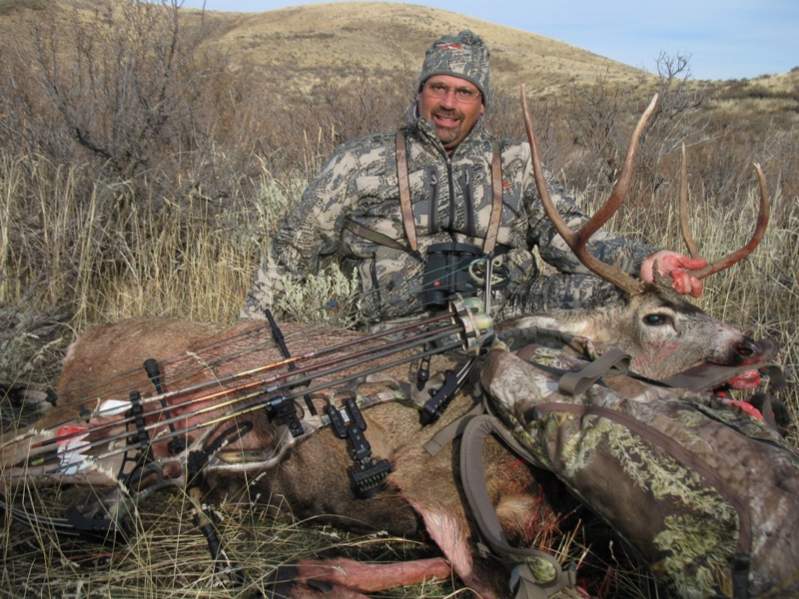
(774, 95)
(313, 43)
(294, 49)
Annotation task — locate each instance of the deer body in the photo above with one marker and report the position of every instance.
(421, 500)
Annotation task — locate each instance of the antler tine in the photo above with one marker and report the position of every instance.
(684, 228)
(577, 241)
(760, 229)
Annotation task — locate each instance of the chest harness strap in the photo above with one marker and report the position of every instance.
(406, 209)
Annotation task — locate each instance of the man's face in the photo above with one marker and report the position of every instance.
(452, 105)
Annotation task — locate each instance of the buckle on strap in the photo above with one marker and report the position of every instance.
(542, 578)
(536, 575)
(575, 383)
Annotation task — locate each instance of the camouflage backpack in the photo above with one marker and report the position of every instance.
(707, 496)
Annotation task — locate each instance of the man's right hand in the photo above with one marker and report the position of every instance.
(678, 267)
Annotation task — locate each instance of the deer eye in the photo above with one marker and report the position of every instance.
(657, 320)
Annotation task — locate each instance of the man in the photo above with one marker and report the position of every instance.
(405, 248)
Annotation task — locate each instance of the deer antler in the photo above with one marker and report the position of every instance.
(733, 257)
(577, 241)
(687, 237)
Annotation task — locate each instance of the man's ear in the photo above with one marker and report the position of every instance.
(482, 109)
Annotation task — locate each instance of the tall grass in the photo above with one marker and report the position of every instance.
(112, 254)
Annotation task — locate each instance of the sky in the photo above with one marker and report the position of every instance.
(725, 39)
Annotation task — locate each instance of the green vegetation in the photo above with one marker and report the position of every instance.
(146, 156)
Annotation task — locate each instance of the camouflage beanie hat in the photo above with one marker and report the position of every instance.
(463, 55)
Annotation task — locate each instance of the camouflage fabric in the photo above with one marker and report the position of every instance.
(451, 199)
(463, 55)
(608, 447)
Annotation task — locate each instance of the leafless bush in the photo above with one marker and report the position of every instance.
(122, 84)
(124, 88)
(675, 121)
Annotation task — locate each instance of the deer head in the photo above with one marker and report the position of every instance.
(663, 331)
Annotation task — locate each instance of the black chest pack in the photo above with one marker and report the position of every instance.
(448, 273)
(451, 270)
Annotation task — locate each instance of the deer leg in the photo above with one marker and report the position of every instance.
(434, 497)
(371, 578)
(299, 590)
(432, 492)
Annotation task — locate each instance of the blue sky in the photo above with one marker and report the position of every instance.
(725, 39)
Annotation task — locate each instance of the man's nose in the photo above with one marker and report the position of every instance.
(449, 100)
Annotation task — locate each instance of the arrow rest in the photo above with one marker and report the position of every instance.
(283, 410)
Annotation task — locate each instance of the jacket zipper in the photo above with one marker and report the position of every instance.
(468, 202)
(433, 200)
(451, 225)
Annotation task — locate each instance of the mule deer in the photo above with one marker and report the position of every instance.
(665, 333)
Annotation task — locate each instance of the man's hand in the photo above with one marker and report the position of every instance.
(676, 266)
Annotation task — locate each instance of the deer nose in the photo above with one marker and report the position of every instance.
(747, 348)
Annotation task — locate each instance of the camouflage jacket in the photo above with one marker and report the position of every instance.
(451, 199)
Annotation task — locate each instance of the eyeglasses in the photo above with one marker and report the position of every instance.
(462, 94)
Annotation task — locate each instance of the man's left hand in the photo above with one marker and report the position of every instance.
(677, 266)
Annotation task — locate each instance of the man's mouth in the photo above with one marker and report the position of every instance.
(446, 120)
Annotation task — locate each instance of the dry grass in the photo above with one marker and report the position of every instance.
(112, 254)
(169, 557)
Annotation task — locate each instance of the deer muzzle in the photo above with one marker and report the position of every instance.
(749, 351)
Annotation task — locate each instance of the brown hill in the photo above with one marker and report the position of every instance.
(310, 44)
(306, 45)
